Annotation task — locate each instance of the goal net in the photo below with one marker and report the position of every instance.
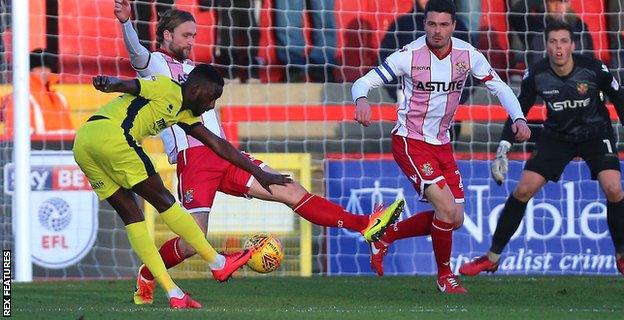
(288, 69)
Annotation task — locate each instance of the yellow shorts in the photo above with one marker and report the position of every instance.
(109, 158)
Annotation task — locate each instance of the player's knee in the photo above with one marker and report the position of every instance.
(201, 218)
(446, 211)
(613, 191)
(186, 250)
(524, 192)
(162, 201)
(292, 194)
(131, 218)
(459, 220)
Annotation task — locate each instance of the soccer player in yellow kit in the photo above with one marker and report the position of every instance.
(107, 150)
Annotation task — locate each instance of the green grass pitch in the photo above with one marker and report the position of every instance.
(332, 298)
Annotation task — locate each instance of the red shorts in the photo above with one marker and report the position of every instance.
(201, 173)
(426, 164)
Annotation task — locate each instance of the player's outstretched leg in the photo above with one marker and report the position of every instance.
(414, 226)
(323, 212)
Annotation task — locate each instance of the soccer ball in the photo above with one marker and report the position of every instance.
(268, 253)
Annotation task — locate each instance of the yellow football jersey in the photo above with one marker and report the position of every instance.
(157, 107)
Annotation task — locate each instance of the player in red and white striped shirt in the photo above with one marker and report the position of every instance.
(432, 70)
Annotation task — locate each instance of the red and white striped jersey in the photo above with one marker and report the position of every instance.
(174, 138)
(432, 87)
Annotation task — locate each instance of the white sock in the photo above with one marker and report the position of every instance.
(218, 263)
(175, 293)
(494, 257)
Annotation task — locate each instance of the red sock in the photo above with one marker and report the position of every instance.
(169, 253)
(415, 226)
(328, 214)
(442, 241)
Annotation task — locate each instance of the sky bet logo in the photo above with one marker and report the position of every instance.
(52, 178)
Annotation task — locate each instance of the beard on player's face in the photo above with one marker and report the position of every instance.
(179, 52)
(179, 41)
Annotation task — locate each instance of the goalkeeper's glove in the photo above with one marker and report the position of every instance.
(500, 165)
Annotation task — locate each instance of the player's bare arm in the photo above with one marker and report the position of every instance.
(224, 149)
(122, 10)
(114, 84)
(362, 111)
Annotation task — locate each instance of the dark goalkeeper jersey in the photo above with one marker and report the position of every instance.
(575, 103)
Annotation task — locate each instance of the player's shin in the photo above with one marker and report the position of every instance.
(615, 220)
(170, 254)
(508, 223)
(143, 245)
(415, 226)
(322, 212)
(442, 242)
(183, 224)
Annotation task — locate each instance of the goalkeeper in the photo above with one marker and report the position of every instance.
(577, 124)
(107, 150)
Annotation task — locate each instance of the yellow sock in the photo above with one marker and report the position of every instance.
(147, 252)
(181, 222)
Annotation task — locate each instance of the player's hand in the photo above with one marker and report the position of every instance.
(362, 111)
(105, 83)
(500, 165)
(122, 10)
(266, 179)
(521, 130)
